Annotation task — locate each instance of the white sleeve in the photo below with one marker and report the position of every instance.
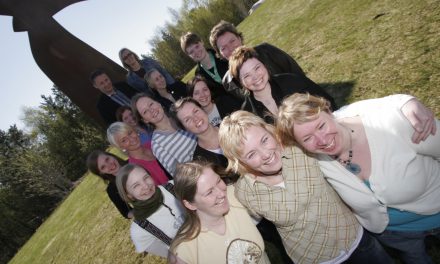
(146, 242)
(395, 101)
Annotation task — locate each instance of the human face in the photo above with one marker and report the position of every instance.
(108, 164)
(261, 152)
(227, 43)
(202, 94)
(103, 83)
(211, 198)
(193, 118)
(128, 141)
(157, 81)
(140, 186)
(322, 135)
(254, 75)
(150, 110)
(128, 118)
(196, 52)
(128, 57)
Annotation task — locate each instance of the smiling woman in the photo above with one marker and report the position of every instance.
(286, 187)
(157, 213)
(215, 220)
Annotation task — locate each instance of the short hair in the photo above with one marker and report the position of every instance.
(188, 39)
(221, 28)
(120, 111)
(147, 76)
(122, 59)
(298, 108)
(178, 105)
(92, 164)
(238, 58)
(122, 177)
(232, 133)
(117, 128)
(95, 74)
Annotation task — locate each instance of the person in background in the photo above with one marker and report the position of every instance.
(209, 66)
(165, 93)
(287, 187)
(225, 38)
(216, 107)
(170, 144)
(113, 95)
(106, 165)
(157, 213)
(124, 137)
(264, 92)
(217, 228)
(124, 114)
(391, 184)
(138, 67)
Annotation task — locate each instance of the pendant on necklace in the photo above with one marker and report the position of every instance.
(353, 168)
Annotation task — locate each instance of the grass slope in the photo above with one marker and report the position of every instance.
(85, 228)
(356, 49)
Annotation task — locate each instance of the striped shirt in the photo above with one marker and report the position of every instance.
(312, 220)
(171, 148)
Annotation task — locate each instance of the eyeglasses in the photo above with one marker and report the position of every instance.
(126, 56)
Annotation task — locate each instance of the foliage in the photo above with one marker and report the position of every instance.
(198, 17)
(87, 228)
(37, 169)
(369, 48)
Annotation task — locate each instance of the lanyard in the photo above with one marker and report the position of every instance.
(217, 78)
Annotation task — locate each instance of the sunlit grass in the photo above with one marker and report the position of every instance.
(356, 49)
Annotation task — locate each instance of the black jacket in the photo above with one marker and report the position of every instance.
(107, 107)
(283, 85)
(276, 61)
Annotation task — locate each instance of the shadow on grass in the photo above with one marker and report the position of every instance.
(339, 90)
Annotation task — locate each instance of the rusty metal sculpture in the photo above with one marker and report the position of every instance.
(65, 59)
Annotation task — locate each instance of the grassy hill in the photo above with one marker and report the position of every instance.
(356, 49)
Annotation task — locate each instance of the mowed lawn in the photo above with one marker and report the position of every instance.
(356, 49)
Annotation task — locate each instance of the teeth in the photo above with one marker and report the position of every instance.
(272, 157)
(330, 145)
(221, 201)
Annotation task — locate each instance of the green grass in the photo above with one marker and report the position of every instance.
(85, 228)
(356, 49)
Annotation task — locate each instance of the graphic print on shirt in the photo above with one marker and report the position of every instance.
(243, 251)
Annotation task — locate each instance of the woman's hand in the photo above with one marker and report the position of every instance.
(421, 118)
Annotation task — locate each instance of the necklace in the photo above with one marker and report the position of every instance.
(350, 166)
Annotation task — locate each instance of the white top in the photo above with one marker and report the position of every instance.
(162, 219)
(403, 175)
(214, 117)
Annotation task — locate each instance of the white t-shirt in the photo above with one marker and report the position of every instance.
(162, 219)
(214, 117)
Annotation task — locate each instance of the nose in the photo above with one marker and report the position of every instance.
(320, 139)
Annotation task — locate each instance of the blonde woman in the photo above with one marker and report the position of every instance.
(391, 183)
(286, 187)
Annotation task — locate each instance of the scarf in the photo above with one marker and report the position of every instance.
(143, 209)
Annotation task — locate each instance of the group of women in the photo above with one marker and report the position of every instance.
(202, 173)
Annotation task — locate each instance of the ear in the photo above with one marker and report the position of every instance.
(189, 205)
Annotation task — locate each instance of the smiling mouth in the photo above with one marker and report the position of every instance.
(270, 160)
(329, 146)
(220, 201)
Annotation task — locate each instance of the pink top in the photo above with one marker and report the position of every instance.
(153, 168)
